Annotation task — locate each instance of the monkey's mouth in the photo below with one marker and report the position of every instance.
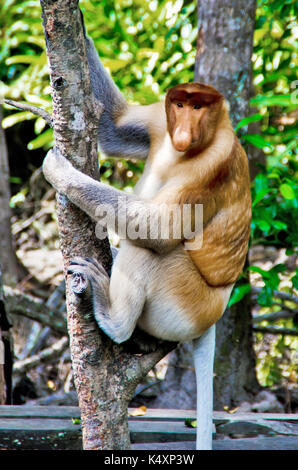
(182, 147)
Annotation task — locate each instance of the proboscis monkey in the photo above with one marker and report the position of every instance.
(171, 287)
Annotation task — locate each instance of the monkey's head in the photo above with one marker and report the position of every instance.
(193, 111)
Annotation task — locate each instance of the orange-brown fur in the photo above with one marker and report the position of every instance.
(217, 176)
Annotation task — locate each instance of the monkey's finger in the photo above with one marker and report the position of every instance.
(77, 260)
(97, 265)
(89, 263)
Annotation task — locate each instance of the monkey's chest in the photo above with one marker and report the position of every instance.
(158, 169)
(149, 185)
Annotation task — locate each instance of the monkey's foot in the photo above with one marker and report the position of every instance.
(87, 272)
(90, 281)
(142, 343)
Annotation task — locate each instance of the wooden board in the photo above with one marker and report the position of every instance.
(53, 427)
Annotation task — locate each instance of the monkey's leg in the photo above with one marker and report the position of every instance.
(203, 353)
(117, 302)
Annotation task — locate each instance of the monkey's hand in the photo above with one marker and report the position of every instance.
(58, 170)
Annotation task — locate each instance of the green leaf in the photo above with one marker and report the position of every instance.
(279, 225)
(258, 141)
(260, 195)
(265, 297)
(274, 100)
(43, 139)
(76, 420)
(248, 120)
(261, 182)
(13, 119)
(287, 191)
(294, 280)
(190, 423)
(238, 293)
(22, 59)
(263, 225)
(261, 271)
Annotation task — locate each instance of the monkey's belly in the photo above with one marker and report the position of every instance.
(179, 305)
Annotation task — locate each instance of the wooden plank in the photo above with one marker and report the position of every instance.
(164, 414)
(168, 414)
(23, 427)
(148, 430)
(160, 431)
(141, 431)
(219, 415)
(258, 443)
(27, 411)
(37, 424)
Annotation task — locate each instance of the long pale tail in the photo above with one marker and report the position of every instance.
(203, 353)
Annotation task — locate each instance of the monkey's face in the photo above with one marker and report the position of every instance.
(192, 112)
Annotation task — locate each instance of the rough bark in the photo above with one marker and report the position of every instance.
(224, 50)
(8, 258)
(6, 356)
(105, 374)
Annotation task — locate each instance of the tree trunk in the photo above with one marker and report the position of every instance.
(8, 258)
(106, 374)
(6, 356)
(224, 49)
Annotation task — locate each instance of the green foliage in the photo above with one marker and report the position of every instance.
(23, 65)
(275, 189)
(275, 207)
(147, 45)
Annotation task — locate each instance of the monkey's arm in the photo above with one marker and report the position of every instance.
(127, 140)
(140, 221)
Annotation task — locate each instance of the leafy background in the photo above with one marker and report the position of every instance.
(149, 46)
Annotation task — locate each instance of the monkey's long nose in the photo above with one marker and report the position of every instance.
(182, 138)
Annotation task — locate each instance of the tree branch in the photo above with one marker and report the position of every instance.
(53, 352)
(23, 304)
(275, 330)
(277, 294)
(273, 316)
(32, 109)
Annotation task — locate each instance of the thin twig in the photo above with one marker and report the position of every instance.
(32, 109)
(275, 330)
(277, 294)
(20, 226)
(45, 355)
(273, 316)
(23, 304)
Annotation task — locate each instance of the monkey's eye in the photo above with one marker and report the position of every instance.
(197, 106)
(180, 105)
